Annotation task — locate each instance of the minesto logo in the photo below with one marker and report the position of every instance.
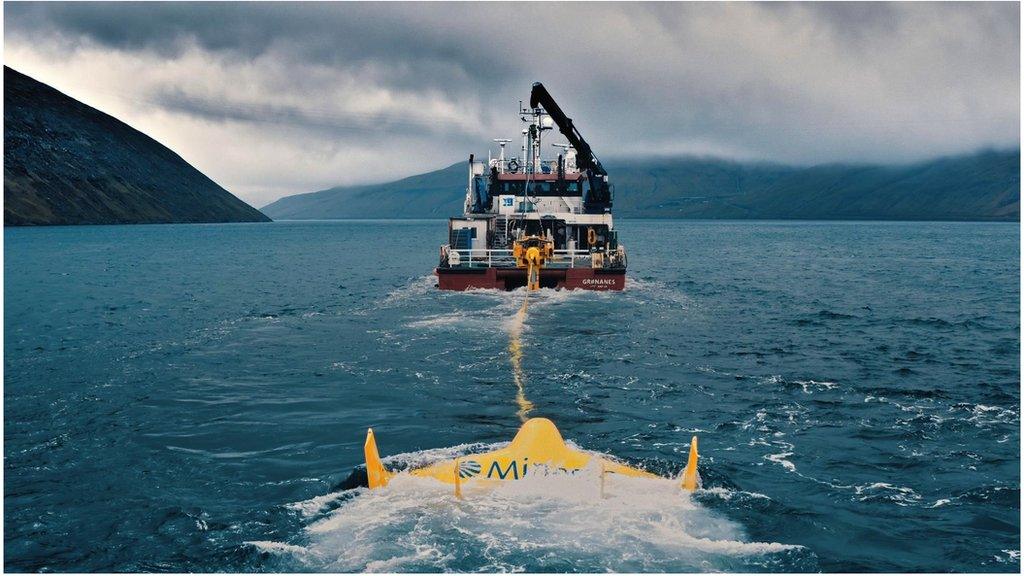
(516, 470)
(511, 470)
(469, 468)
(598, 281)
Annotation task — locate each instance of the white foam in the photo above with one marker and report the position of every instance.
(781, 458)
(280, 548)
(438, 320)
(726, 494)
(562, 522)
(422, 458)
(900, 495)
(985, 415)
(652, 290)
(811, 386)
(315, 505)
(1012, 557)
(416, 287)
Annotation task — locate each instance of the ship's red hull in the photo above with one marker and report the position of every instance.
(512, 278)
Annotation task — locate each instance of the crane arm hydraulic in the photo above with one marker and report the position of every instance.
(599, 199)
(540, 97)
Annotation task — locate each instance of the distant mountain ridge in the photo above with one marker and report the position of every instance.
(982, 186)
(68, 163)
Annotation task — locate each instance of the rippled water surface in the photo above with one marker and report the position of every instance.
(191, 398)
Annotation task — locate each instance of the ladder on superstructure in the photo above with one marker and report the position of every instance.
(501, 231)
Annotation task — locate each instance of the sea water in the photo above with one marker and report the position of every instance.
(190, 398)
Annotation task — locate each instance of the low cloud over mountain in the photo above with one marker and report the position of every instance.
(278, 98)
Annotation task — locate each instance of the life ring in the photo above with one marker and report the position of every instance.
(513, 166)
(591, 236)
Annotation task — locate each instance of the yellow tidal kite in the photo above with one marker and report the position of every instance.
(537, 446)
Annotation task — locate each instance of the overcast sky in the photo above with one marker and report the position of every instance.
(271, 99)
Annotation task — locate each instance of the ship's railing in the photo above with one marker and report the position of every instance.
(545, 166)
(485, 257)
(479, 257)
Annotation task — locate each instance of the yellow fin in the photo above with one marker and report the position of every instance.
(376, 475)
(458, 480)
(690, 478)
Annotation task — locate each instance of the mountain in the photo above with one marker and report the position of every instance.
(68, 163)
(982, 186)
(437, 194)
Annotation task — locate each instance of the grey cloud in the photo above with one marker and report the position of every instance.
(364, 128)
(792, 82)
(348, 34)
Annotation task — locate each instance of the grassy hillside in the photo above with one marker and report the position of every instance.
(437, 194)
(68, 163)
(983, 186)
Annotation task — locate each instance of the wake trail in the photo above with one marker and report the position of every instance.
(515, 349)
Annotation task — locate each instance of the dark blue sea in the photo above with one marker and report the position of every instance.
(193, 398)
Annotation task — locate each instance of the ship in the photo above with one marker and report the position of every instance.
(534, 222)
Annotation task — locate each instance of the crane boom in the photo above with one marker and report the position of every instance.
(599, 199)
